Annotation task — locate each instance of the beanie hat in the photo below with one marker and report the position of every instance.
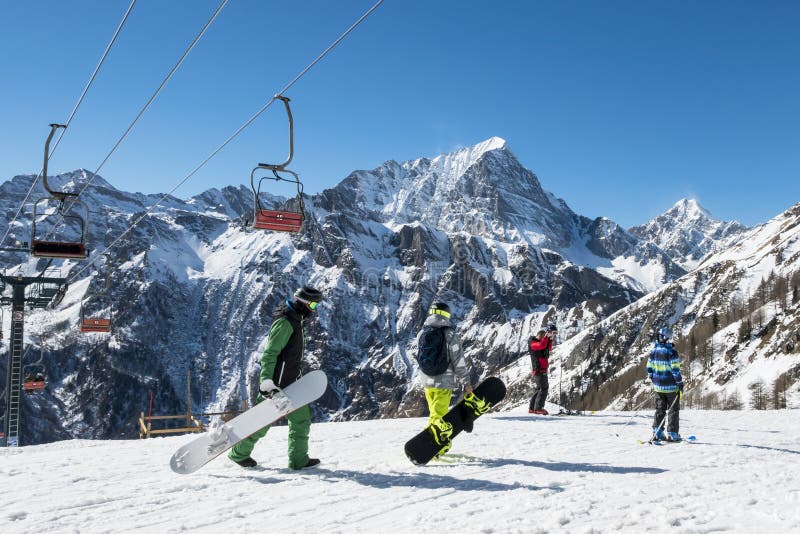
(308, 294)
(439, 308)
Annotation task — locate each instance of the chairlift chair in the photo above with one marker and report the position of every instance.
(46, 246)
(33, 382)
(278, 220)
(97, 322)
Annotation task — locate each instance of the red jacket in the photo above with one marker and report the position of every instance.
(540, 352)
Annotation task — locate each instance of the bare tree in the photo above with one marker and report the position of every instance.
(733, 402)
(759, 396)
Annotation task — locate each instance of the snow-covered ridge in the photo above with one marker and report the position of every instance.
(737, 324)
(688, 233)
(194, 289)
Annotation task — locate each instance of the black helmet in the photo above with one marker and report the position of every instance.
(664, 335)
(309, 296)
(439, 308)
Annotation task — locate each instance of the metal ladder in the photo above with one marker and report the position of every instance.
(15, 382)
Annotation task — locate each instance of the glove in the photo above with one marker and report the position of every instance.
(680, 390)
(267, 388)
(533, 373)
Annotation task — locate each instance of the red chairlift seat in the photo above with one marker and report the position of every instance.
(277, 220)
(32, 386)
(96, 325)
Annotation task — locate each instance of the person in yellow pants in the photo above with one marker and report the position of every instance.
(441, 363)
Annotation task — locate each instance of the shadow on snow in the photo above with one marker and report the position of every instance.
(557, 466)
(426, 480)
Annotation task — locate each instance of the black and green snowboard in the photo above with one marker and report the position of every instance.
(422, 448)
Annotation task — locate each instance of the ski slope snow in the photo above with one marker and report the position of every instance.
(514, 473)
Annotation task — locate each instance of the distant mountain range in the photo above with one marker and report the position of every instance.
(193, 288)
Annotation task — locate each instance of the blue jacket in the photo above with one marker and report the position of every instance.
(664, 368)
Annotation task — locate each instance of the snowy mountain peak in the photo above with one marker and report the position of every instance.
(687, 232)
(688, 209)
(465, 157)
(450, 167)
(442, 191)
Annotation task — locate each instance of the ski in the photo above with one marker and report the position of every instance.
(570, 412)
(688, 440)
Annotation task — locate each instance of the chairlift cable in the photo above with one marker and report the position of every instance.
(233, 135)
(153, 97)
(76, 197)
(74, 112)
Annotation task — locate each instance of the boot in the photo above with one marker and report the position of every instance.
(442, 431)
(444, 449)
(247, 462)
(312, 462)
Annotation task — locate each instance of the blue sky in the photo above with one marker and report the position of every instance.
(620, 107)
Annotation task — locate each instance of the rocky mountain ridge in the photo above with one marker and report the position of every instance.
(193, 288)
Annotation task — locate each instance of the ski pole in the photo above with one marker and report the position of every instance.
(560, 376)
(635, 411)
(678, 395)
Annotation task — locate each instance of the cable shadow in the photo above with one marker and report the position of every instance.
(425, 480)
(776, 449)
(251, 475)
(574, 467)
(738, 429)
(747, 446)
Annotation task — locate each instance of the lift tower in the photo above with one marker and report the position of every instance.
(50, 290)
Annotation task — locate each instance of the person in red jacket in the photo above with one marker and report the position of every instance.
(539, 347)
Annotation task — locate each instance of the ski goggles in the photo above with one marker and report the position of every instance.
(312, 305)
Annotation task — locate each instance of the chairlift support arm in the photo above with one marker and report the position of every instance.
(57, 194)
(282, 166)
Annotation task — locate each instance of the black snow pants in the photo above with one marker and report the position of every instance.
(663, 403)
(540, 387)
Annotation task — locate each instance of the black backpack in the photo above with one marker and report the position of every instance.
(432, 354)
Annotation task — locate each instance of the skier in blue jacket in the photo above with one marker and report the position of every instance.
(664, 371)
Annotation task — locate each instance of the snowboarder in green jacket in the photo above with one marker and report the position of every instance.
(280, 366)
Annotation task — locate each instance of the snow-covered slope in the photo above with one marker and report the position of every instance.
(688, 233)
(513, 474)
(736, 319)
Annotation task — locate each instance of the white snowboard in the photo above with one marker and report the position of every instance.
(211, 444)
